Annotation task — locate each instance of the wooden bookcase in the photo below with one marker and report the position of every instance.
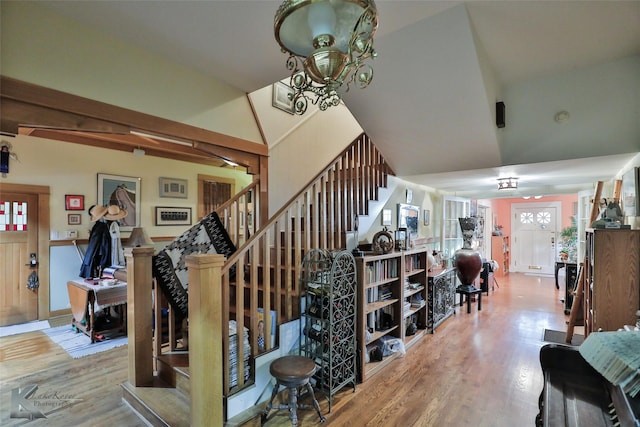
(381, 303)
(612, 279)
(501, 252)
(414, 294)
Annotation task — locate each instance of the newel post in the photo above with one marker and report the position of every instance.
(139, 313)
(205, 339)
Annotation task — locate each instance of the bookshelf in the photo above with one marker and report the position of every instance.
(392, 294)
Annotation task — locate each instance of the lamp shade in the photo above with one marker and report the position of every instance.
(299, 22)
(139, 237)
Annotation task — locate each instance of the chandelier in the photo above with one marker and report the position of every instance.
(507, 183)
(328, 42)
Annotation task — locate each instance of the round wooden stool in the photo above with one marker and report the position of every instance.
(294, 373)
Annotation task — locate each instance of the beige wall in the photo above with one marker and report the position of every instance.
(73, 169)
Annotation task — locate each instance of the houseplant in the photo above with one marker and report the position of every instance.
(569, 242)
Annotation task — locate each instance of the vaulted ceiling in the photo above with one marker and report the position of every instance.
(441, 67)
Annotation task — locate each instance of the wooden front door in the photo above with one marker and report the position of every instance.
(18, 304)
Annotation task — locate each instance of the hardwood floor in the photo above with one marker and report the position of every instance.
(478, 369)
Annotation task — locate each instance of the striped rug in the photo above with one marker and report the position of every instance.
(6, 331)
(78, 344)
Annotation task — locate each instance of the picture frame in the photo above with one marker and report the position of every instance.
(281, 99)
(426, 216)
(73, 202)
(408, 217)
(630, 192)
(386, 217)
(74, 219)
(123, 191)
(173, 188)
(167, 215)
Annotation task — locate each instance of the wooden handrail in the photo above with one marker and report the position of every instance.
(263, 273)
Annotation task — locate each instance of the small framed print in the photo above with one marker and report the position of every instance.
(409, 196)
(386, 216)
(427, 216)
(74, 219)
(281, 97)
(173, 187)
(73, 202)
(173, 216)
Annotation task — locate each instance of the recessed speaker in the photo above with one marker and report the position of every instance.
(500, 114)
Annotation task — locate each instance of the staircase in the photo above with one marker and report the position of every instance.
(261, 277)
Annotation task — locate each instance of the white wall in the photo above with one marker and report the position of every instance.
(300, 146)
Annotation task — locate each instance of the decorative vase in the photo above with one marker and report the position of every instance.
(467, 260)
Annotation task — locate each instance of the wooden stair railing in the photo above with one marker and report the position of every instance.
(263, 273)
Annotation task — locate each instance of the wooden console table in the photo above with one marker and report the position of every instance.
(87, 298)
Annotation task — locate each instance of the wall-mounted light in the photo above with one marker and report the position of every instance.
(510, 183)
(138, 152)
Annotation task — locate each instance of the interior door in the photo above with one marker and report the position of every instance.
(18, 240)
(534, 240)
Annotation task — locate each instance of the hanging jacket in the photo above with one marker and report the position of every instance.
(98, 252)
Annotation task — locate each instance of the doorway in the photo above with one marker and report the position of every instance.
(24, 256)
(534, 236)
(213, 191)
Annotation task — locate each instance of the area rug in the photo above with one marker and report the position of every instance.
(78, 344)
(6, 331)
(559, 337)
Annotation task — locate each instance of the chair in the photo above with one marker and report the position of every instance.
(294, 373)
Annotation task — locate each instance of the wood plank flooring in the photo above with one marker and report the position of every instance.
(478, 369)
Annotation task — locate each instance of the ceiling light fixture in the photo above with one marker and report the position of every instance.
(328, 42)
(510, 183)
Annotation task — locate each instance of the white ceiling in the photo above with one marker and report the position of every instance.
(441, 66)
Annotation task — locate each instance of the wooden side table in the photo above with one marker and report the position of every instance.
(86, 298)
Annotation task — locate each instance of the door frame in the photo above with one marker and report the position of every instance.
(43, 192)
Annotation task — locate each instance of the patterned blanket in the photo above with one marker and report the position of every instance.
(206, 237)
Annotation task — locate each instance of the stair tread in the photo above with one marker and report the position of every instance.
(167, 404)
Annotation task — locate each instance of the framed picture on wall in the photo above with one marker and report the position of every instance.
(123, 191)
(173, 187)
(73, 202)
(74, 219)
(173, 216)
(630, 193)
(386, 216)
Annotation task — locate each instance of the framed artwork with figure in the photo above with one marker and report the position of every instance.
(123, 191)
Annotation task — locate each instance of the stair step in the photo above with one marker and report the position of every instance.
(159, 406)
(183, 380)
(173, 368)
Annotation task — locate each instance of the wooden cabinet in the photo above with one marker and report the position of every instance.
(392, 294)
(501, 252)
(441, 296)
(612, 279)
